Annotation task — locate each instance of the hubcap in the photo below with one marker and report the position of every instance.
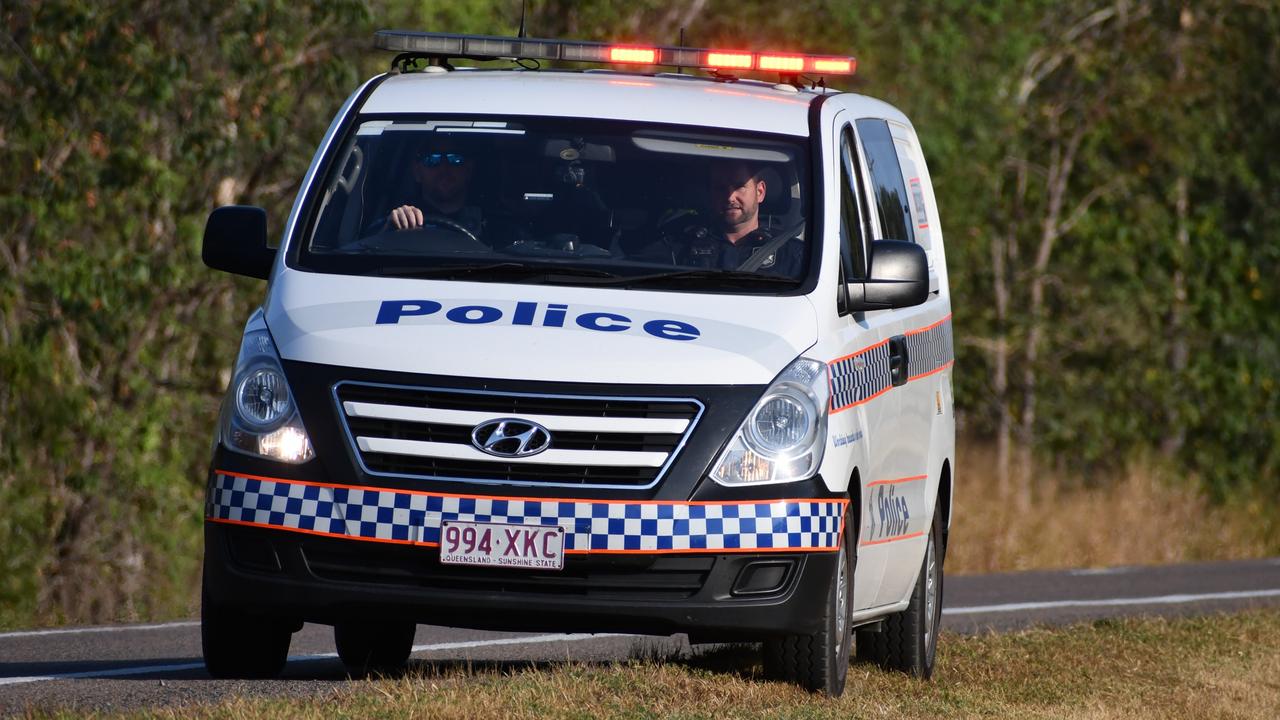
(930, 593)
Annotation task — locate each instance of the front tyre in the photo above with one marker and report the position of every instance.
(819, 662)
(237, 644)
(909, 640)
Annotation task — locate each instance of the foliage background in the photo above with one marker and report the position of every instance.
(1105, 171)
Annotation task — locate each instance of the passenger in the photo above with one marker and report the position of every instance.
(727, 234)
(735, 193)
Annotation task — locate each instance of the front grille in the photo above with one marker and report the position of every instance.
(621, 442)
(662, 578)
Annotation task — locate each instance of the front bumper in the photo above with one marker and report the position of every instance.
(327, 540)
(318, 552)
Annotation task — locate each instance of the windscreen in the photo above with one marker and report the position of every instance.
(565, 201)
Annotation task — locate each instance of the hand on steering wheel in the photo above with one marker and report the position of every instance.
(451, 224)
(408, 217)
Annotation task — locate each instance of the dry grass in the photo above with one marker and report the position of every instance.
(1224, 666)
(1141, 517)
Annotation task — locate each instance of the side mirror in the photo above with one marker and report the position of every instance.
(899, 278)
(235, 241)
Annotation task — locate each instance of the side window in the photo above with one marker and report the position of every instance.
(892, 202)
(915, 192)
(852, 244)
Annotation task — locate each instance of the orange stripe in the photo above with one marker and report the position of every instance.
(898, 480)
(685, 551)
(286, 481)
(934, 371)
(855, 354)
(321, 533)
(864, 400)
(927, 328)
(392, 541)
(892, 539)
(916, 331)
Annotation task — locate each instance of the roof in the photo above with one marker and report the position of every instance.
(684, 100)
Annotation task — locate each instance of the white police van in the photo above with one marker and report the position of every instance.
(606, 350)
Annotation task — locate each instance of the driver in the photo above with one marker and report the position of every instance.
(735, 192)
(443, 172)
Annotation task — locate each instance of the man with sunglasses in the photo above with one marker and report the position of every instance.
(443, 172)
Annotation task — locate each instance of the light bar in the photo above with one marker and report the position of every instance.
(781, 63)
(450, 45)
(832, 65)
(643, 56)
(736, 60)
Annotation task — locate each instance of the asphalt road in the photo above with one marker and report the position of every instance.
(129, 667)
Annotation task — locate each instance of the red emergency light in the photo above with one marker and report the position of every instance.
(489, 47)
(782, 63)
(726, 60)
(642, 56)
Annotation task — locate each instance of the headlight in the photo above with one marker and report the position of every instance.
(259, 416)
(262, 397)
(784, 435)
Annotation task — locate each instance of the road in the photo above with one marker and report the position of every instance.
(130, 667)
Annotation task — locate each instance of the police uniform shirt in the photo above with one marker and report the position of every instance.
(716, 252)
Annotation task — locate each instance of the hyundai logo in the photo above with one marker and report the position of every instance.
(510, 438)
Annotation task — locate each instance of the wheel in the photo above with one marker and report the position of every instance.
(241, 645)
(909, 640)
(820, 662)
(374, 648)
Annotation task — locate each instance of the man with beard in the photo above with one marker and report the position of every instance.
(443, 171)
(735, 192)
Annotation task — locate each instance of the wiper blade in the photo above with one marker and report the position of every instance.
(506, 270)
(735, 278)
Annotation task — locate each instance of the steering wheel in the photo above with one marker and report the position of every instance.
(451, 224)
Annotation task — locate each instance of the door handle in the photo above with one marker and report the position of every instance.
(898, 360)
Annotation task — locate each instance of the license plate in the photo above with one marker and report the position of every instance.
(502, 545)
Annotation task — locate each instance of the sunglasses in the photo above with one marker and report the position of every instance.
(437, 159)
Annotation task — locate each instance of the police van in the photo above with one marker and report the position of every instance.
(644, 348)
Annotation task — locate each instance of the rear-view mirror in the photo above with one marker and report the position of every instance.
(898, 278)
(235, 241)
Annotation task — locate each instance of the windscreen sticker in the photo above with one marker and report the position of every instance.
(917, 196)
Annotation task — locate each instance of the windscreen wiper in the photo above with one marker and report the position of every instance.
(503, 270)
(730, 278)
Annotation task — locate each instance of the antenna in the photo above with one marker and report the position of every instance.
(680, 70)
(524, 9)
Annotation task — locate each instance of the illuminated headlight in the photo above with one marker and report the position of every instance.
(259, 416)
(784, 435)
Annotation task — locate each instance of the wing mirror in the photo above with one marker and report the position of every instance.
(899, 277)
(235, 241)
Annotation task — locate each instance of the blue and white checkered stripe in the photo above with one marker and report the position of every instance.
(590, 526)
(859, 377)
(865, 374)
(930, 350)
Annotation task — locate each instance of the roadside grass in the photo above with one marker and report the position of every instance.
(1218, 666)
(1141, 516)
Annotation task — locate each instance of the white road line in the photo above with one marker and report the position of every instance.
(98, 629)
(177, 667)
(1111, 602)
(1101, 571)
